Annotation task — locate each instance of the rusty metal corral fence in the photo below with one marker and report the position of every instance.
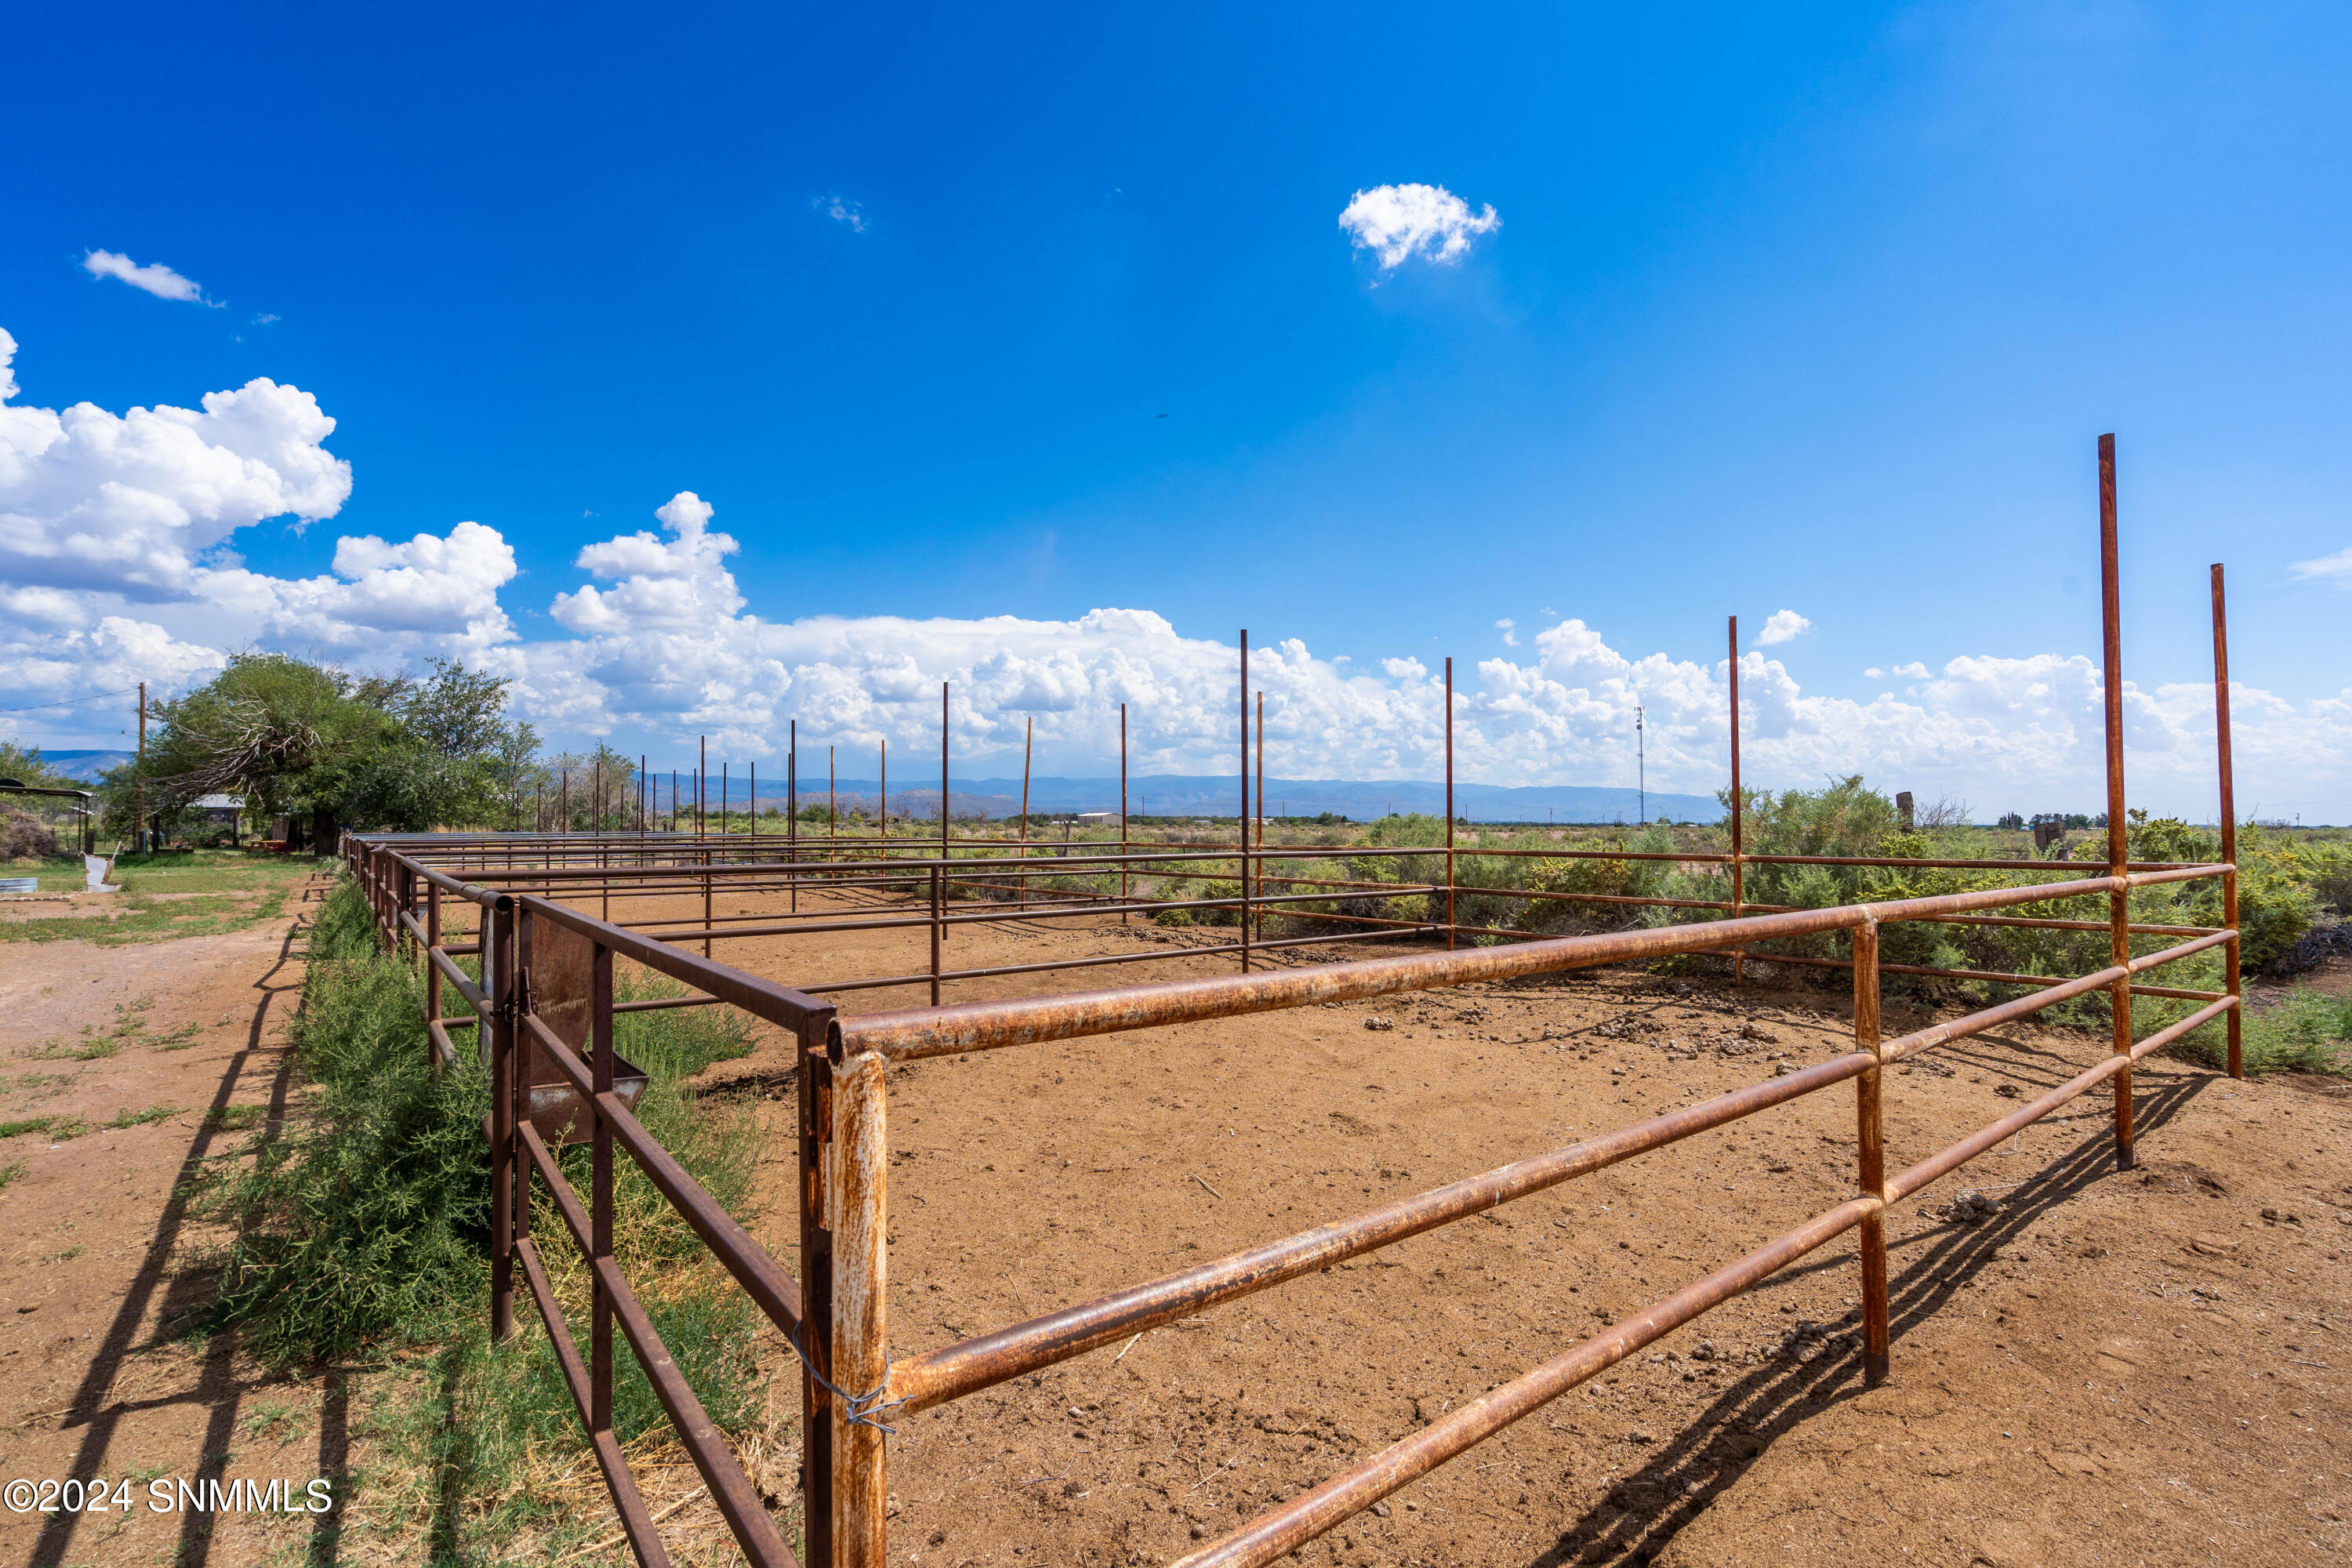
(543, 1014)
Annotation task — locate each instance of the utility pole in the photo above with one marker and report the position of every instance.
(138, 796)
(1640, 766)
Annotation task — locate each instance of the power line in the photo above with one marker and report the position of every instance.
(71, 700)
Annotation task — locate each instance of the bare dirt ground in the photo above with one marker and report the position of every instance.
(2137, 1367)
(98, 1244)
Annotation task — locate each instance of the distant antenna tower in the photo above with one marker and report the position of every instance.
(1640, 766)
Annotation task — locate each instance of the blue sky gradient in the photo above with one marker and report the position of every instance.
(953, 314)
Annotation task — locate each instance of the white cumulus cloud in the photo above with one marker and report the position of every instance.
(1785, 626)
(154, 278)
(841, 211)
(127, 503)
(1397, 222)
(2335, 569)
(1508, 627)
(1915, 670)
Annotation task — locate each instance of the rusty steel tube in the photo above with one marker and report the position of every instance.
(759, 1275)
(1946, 1161)
(2111, 682)
(979, 1026)
(953, 1371)
(1273, 1535)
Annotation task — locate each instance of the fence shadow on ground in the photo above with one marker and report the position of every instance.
(1709, 1454)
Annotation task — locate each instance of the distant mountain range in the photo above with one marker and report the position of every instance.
(84, 765)
(1169, 794)
(1210, 794)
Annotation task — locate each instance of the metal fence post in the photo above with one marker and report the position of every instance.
(860, 1346)
(1870, 1145)
(2228, 823)
(498, 983)
(433, 970)
(599, 1214)
(2118, 832)
(816, 1087)
(938, 927)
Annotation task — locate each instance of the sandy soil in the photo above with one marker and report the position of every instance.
(101, 1253)
(2135, 1367)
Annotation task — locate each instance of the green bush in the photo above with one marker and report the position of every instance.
(362, 1233)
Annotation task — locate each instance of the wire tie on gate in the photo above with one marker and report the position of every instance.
(857, 1409)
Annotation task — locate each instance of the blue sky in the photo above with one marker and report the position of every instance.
(950, 316)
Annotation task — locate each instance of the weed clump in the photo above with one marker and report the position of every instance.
(363, 1230)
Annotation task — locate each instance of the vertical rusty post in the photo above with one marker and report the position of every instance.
(725, 797)
(1028, 736)
(701, 788)
(832, 806)
(604, 850)
(754, 813)
(943, 770)
(519, 1057)
(643, 782)
(2229, 819)
(1739, 815)
(1259, 912)
(433, 970)
(885, 788)
(860, 1342)
(792, 808)
(1242, 822)
(2111, 615)
(938, 924)
(1123, 848)
(1449, 804)
(815, 1094)
(600, 1200)
(498, 983)
(1869, 1142)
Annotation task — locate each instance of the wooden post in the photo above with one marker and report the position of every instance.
(860, 1345)
(1870, 1147)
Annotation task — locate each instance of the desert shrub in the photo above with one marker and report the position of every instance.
(2308, 1031)
(363, 1228)
(24, 836)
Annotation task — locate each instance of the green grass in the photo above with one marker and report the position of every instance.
(362, 1233)
(190, 893)
(2307, 1031)
(8, 1174)
(67, 1125)
(29, 1124)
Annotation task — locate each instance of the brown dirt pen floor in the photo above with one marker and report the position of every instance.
(2146, 1367)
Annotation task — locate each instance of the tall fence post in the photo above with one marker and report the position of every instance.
(600, 1211)
(816, 1095)
(1449, 805)
(1870, 1145)
(2228, 823)
(2118, 834)
(860, 1345)
(1242, 822)
(938, 926)
(497, 984)
(1739, 815)
(433, 971)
